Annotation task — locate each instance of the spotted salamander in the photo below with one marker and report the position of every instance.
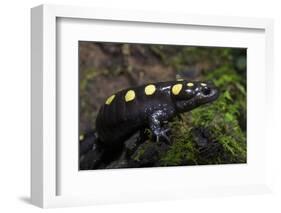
(149, 106)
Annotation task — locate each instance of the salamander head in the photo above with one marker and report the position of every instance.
(189, 95)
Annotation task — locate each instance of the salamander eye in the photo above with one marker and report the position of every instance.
(206, 91)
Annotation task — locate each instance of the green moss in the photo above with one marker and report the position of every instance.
(189, 56)
(226, 138)
(183, 150)
(138, 154)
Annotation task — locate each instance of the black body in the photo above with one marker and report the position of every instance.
(119, 119)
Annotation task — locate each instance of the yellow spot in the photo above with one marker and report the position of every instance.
(130, 95)
(109, 100)
(176, 89)
(149, 89)
(180, 79)
(203, 84)
(81, 137)
(190, 84)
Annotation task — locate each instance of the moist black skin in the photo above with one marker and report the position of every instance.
(118, 121)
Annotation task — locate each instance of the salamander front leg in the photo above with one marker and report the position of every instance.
(155, 123)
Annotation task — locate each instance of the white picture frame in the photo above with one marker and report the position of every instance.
(46, 163)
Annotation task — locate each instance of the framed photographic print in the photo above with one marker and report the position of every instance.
(130, 106)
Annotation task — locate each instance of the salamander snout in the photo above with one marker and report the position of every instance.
(207, 92)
